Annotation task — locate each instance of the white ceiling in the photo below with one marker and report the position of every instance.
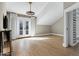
(47, 13)
(68, 4)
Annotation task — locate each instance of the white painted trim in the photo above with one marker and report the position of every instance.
(42, 34)
(49, 34)
(64, 45)
(74, 6)
(56, 34)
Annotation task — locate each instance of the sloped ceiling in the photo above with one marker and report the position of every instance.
(68, 4)
(47, 13)
(51, 13)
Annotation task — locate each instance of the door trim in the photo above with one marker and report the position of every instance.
(74, 6)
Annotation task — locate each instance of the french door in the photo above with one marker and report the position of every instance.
(23, 27)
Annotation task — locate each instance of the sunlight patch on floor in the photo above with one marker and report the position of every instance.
(37, 38)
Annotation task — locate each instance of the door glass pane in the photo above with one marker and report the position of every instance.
(74, 26)
(77, 24)
(21, 28)
(27, 27)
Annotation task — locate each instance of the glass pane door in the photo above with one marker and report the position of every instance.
(26, 27)
(23, 27)
(20, 28)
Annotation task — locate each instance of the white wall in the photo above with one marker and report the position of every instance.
(2, 11)
(33, 26)
(12, 17)
(58, 27)
(1, 16)
(43, 29)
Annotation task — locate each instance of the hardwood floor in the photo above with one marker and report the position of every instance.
(43, 46)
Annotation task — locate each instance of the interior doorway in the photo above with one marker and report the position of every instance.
(71, 18)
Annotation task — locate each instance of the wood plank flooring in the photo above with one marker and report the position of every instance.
(43, 46)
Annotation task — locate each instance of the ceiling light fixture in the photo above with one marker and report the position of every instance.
(30, 13)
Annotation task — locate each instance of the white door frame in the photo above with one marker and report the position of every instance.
(75, 6)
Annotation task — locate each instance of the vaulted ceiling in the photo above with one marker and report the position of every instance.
(68, 4)
(47, 13)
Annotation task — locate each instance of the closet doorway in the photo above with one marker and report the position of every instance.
(71, 26)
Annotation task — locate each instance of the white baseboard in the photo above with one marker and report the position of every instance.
(41, 34)
(56, 34)
(64, 45)
(49, 34)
